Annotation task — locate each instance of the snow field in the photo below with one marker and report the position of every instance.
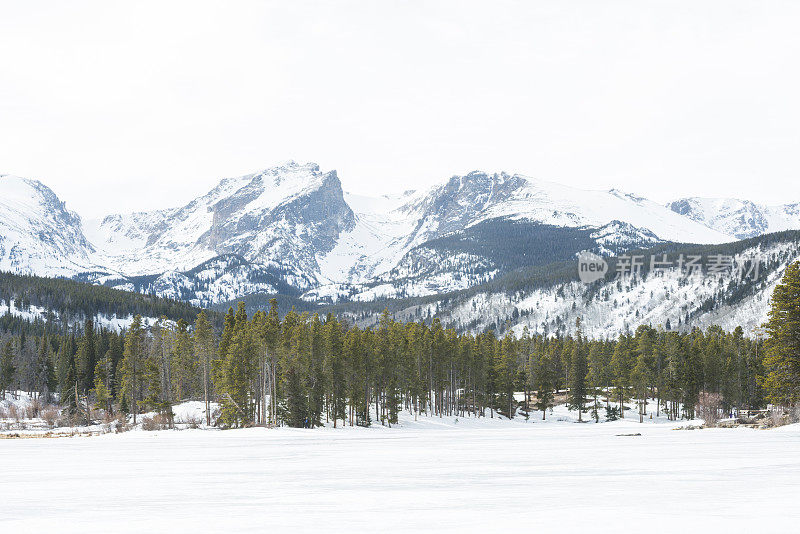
(469, 475)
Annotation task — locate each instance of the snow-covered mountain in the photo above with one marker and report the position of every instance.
(291, 230)
(739, 218)
(287, 215)
(464, 201)
(389, 227)
(38, 234)
(462, 232)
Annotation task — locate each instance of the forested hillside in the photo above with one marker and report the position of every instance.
(64, 302)
(548, 298)
(54, 332)
(302, 370)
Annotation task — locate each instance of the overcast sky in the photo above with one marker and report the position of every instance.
(135, 105)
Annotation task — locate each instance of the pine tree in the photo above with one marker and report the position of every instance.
(238, 374)
(598, 375)
(271, 337)
(335, 369)
(203, 345)
(622, 364)
(66, 376)
(782, 362)
(133, 366)
(158, 371)
(295, 370)
(319, 400)
(102, 383)
(86, 359)
(185, 375)
(260, 365)
(640, 376)
(544, 383)
(296, 400)
(7, 368)
(578, 371)
(357, 380)
(44, 373)
(733, 370)
(505, 367)
(658, 372)
(672, 375)
(116, 348)
(415, 365)
(218, 364)
(488, 348)
(692, 372)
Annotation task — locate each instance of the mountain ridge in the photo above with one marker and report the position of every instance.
(739, 218)
(291, 229)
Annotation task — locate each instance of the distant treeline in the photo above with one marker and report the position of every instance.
(71, 301)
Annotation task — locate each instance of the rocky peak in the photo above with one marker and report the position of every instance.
(38, 234)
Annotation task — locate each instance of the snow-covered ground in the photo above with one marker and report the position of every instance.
(489, 475)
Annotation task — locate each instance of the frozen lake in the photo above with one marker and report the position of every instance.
(433, 475)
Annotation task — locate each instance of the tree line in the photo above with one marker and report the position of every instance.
(303, 370)
(71, 300)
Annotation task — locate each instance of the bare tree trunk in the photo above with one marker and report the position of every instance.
(264, 372)
(641, 407)
(88, 411)
(205, 388)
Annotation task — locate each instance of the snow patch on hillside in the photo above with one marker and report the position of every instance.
(36, 313)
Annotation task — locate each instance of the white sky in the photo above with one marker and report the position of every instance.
(137, 105)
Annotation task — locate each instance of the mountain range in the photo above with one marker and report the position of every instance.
(292, 230)
(739, 218)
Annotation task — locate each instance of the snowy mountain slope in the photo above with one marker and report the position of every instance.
(120, 234)
(221, 279)
(38, 234)
(549, 300)
(463, 201)
(285, 216)
(476, 255)
(739, 218)
(392, 236)
(373, 244)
